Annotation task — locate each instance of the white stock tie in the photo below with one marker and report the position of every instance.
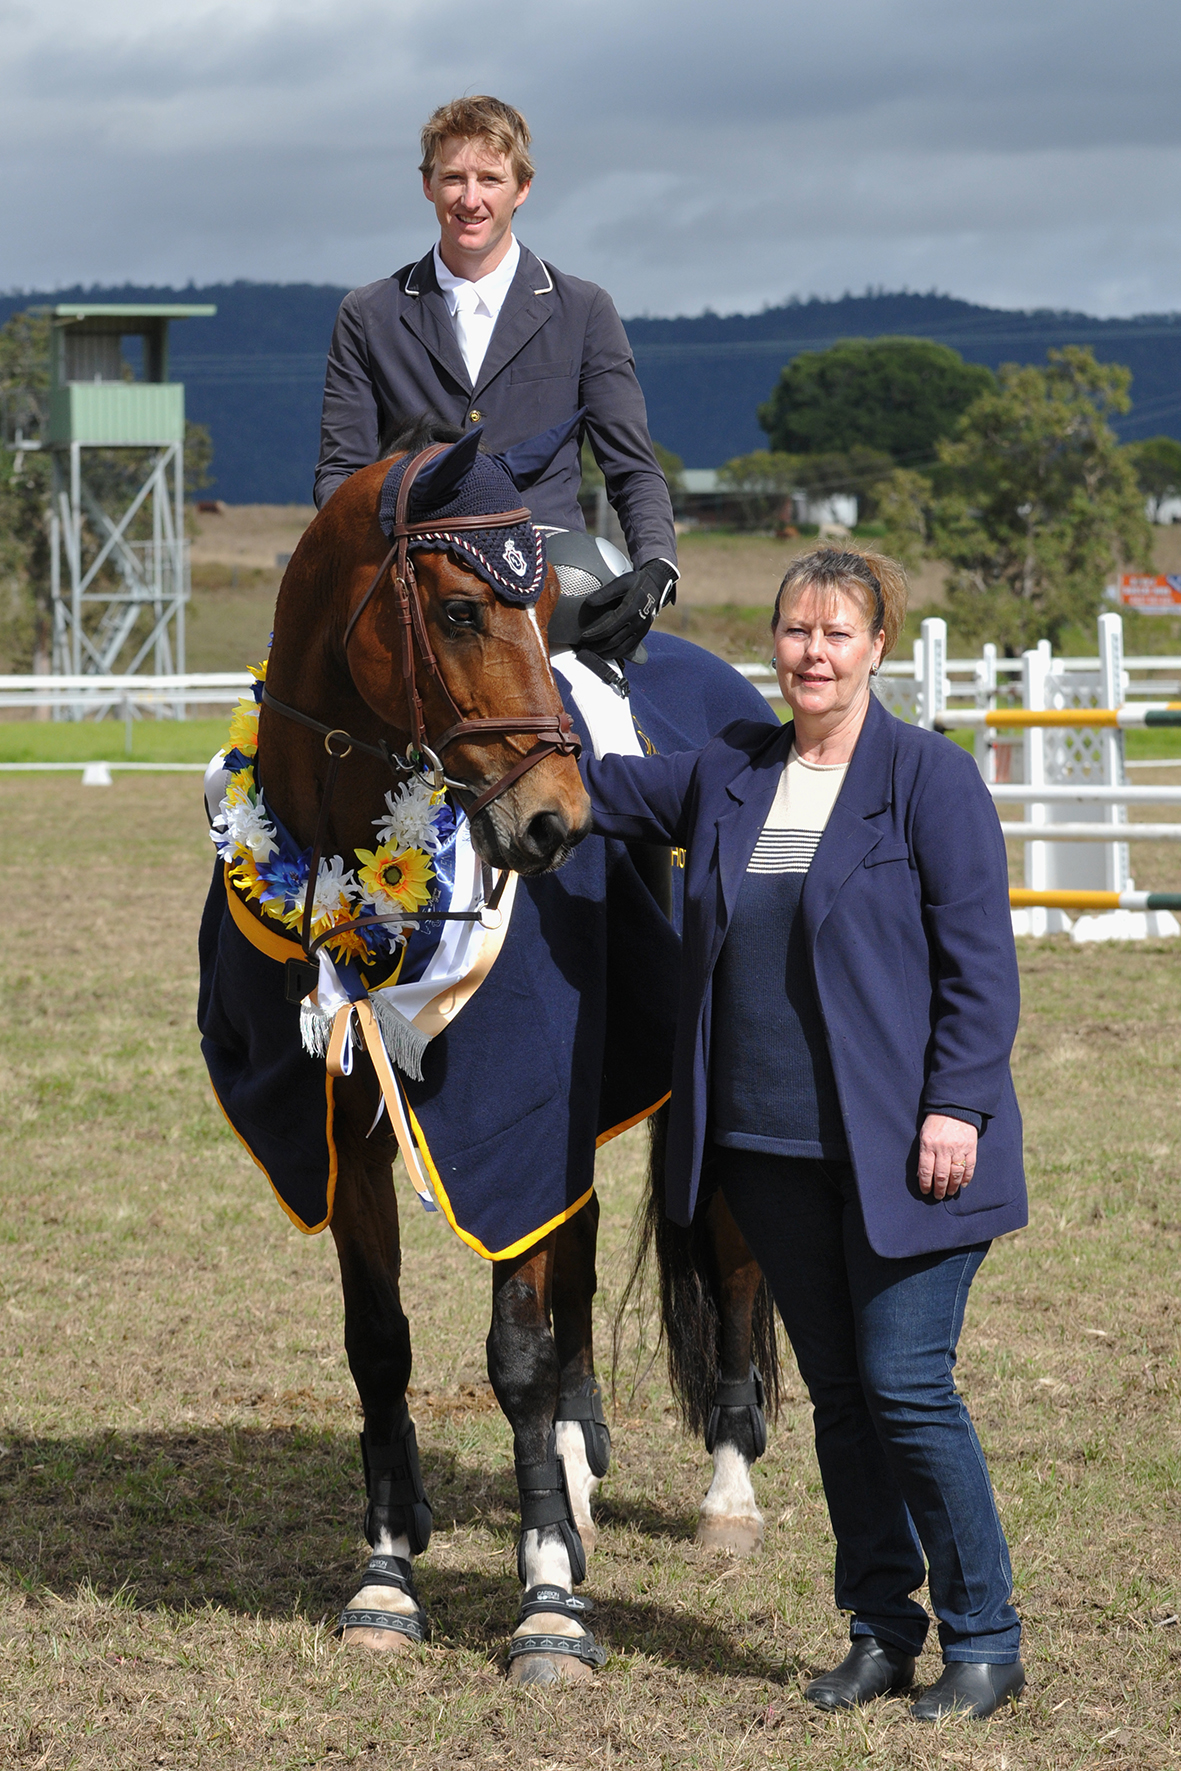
(472, 328)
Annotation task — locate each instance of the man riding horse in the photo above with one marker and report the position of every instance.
(503, 1107)
(481, 333)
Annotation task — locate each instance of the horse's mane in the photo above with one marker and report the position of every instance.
(420, 433)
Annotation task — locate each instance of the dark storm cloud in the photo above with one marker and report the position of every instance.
(689, 154)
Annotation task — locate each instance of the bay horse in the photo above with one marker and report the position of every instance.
(439, 661)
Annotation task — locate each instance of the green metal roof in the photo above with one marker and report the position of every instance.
(84, 310)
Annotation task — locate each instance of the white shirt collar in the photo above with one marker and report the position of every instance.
(490, 290)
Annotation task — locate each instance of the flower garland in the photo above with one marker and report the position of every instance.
(395, 878)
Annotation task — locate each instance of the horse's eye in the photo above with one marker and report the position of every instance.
(462, 613)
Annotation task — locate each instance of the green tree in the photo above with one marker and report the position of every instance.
(902, 504)
(766, 479)
(25, 619)
(1038, 501)
(855, 472)
(198, 457)
(1157, 465)
(898, 395)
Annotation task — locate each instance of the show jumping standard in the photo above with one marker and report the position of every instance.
(442, 990)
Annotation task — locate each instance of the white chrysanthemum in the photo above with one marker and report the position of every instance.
(409, 819)
(220, 837)
(248, 828)
(336, 889)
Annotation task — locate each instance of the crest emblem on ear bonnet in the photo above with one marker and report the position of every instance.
(463, 482)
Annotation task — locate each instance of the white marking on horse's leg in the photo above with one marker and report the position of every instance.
(388, 1545)
(547, 1563)
(383, 1599)
(730, 1517)
(580, 1478)
(730, 1492)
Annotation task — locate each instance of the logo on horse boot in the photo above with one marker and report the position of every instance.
(514, 558)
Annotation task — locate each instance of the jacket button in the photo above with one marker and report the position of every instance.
(475, 417)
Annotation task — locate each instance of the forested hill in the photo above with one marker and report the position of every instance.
(254, 374)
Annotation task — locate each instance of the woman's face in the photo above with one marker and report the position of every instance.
(824, 653)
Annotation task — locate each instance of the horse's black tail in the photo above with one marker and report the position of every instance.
(691, 1298)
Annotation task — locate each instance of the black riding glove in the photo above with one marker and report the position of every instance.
(613, 620)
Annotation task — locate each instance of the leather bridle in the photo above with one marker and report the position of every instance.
(554, 733)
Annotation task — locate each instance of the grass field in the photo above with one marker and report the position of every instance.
(178, 1461)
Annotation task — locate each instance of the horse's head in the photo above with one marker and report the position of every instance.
(458, 620)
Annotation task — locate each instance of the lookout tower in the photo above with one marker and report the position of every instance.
(117, 524)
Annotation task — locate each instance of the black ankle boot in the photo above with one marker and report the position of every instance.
(970, 1688)
(869, 1670)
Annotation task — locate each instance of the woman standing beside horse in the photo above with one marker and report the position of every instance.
(849, 1000)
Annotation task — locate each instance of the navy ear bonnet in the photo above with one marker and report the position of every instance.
(463, 483)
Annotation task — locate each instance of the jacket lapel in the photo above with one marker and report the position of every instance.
(527, 307)
(851, 832)
(427, 317)
(738, 827)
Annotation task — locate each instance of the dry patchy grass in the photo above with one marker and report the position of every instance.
(180, 1477)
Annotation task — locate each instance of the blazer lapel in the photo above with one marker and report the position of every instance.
(851, 832)
(427, 317)
(739, 826)
(527, 307)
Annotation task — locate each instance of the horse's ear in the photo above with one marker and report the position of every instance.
(441, 477)
(526, 462)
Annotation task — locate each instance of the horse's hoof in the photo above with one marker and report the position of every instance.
(730, 1536)
(547, 1669)
(376, 1641)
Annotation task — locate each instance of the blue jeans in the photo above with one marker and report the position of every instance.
(875, 1340)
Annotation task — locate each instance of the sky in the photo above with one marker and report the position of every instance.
(692, 154)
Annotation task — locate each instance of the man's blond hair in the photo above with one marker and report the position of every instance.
(479, 119)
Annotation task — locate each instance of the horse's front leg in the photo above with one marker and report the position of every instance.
(384, 1613)
(551, 1641)
(736, 1434)
(580, 1425)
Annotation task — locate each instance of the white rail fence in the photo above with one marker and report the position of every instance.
(124, 697)
(1071, 780)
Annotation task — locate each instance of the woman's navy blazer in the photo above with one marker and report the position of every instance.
(906, 915)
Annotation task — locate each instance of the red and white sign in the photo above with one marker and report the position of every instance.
(1152, 595)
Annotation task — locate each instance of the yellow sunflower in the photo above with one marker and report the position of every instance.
(404, 878)
(245, 874)
(244, 727)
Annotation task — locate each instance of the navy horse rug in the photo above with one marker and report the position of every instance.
(557, 1036)
(506, 1046)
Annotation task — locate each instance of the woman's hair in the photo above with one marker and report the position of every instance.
(876, 583)
(479, 119)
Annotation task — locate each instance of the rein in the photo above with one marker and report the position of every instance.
(555, 733)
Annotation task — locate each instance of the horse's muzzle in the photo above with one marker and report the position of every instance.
(540, 844)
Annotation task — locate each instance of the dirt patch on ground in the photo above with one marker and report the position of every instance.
(746, 570)
(258, 536)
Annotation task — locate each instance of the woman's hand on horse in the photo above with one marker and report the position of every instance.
(947, 1155)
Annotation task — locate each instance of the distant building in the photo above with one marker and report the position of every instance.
(706, 502)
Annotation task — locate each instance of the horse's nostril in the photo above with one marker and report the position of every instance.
(545, 834)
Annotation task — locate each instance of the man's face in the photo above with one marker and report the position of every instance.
(475, 196)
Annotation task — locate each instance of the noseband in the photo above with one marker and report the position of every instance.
(555, 733)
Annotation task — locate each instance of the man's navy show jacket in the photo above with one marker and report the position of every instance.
(906, 917)
(558, 344)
